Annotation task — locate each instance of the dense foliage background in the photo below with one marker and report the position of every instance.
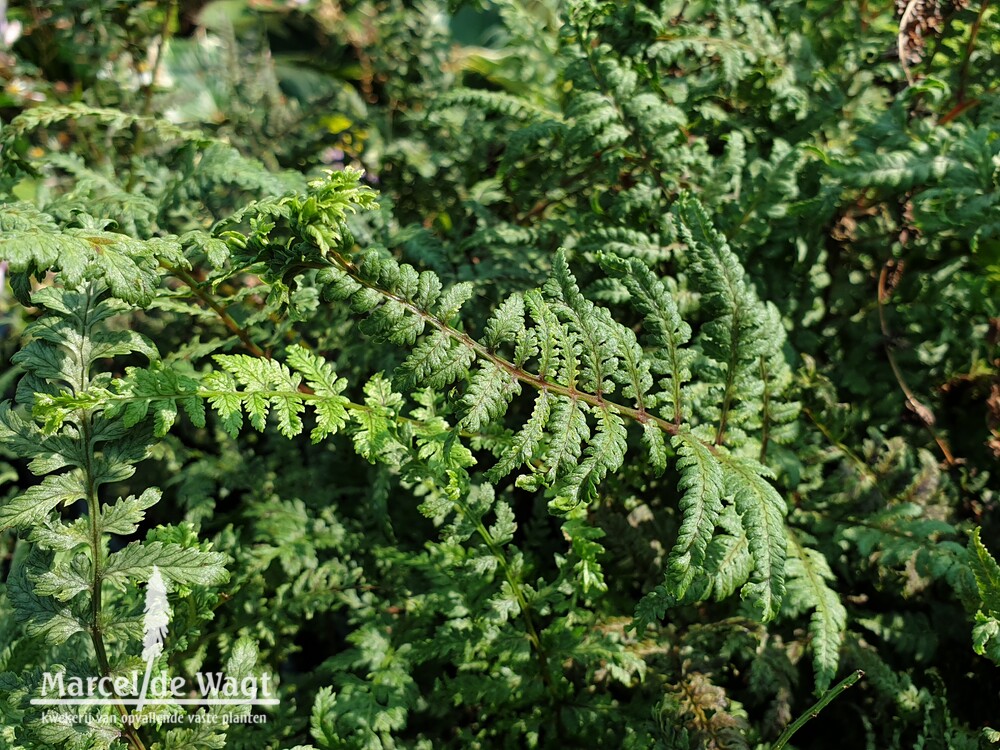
(613, 374)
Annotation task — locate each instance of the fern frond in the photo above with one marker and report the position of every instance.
(113, 119)
(185, 565)
(578, 358)
(762, 511)
(79, 450)
(808, 577)
(667, 333)
(331, 414)
(895, 169)
(33, 506)
(904, 536)
(624, 242)
(242, 384)
(496, 102)
(437, 361)
(488, 396)
(778, 417)
(987, 572)
(44, 617)
(986, 632)
(550, 341)
(591, 326)
(222, 165)
(701, 504)
(734, 339)
(570, 432)
(376, 438)
(526, 141)
(728, 563)
(604, 454)
(526, 442)
(100, 194)
(119, 119)
(596, 124)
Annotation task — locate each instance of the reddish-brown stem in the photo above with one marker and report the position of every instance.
(963, 73)
(212, 303)
(535, 381)
(912, 402)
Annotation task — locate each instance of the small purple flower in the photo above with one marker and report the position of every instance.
(332, 156)
(3, 277)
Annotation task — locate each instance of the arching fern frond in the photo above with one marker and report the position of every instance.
(496, 102)
(591, 375)
(701, 504)
(762, 511)
(113, 121)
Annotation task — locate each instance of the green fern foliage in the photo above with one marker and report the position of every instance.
(591, 376)
(33, 244)
(702, 483)
(57, 589)
(242, 385)
(67, 343)
(762, 512)
(514, 374)
(986, 633)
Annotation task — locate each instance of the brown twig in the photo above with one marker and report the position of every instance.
(957, 110)
(147, 100)
(963, 72)
(227, 320)
(912, 402)
(904, 23)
